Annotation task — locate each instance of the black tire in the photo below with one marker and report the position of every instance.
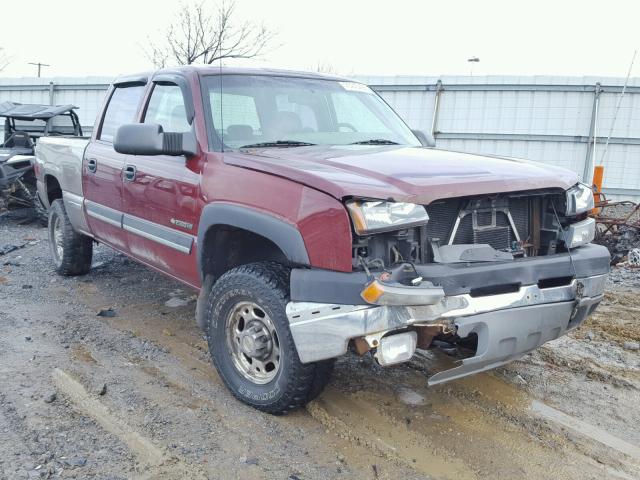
(266, 285)
(77, 249)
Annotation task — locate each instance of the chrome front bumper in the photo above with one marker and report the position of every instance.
(507, 325)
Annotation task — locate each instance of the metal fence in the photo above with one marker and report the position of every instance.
(87, 93)
(562, 121)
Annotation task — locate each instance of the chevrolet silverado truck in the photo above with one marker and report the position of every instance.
(312, 221)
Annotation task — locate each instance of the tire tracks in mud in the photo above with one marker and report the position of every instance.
(154, 462)
(364, 425)
(471, 429)
(186, 377)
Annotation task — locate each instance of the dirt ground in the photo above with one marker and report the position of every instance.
(132, 394)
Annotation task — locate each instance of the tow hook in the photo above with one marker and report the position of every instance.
(578, 300)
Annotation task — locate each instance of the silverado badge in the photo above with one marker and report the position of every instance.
(183, 224)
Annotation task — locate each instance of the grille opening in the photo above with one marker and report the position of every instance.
(513, 222)
(494, 290)
(554, 282)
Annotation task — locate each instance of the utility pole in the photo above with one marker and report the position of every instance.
(40, 65)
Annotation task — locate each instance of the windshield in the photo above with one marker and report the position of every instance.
(260, 110)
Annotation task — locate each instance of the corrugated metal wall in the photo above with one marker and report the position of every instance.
(541, 118)
(546, 119)
(87, 93)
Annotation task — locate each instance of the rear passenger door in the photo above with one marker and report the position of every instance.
(102, 166)
(161, 192)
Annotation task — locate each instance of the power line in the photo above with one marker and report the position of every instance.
(615, 115)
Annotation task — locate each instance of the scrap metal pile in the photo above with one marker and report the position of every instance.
(618, 229)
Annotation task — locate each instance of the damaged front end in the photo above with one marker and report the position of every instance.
(500, 275)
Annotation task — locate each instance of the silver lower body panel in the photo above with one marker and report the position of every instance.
(507, 325)
(73, 205)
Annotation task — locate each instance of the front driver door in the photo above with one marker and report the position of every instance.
(161, 192)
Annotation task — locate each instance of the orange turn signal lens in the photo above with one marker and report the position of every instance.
(372, 292)
(357, 215)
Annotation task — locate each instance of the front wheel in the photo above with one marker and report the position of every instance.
(251, 344)
(71, 251)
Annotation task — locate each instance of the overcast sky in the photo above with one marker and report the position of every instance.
(420, 37)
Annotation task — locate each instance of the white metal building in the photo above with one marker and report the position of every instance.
(87, 93)
(555, 120)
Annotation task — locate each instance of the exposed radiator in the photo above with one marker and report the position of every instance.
(480, 221)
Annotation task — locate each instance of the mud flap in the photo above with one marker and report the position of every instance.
(506, 335)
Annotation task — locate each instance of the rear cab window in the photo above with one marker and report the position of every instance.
(241, 119)
(121, 109)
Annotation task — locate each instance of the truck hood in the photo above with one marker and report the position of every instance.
(407, 174)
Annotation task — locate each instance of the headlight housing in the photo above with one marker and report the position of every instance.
(378, 216)
(579, 199)
(581, 233)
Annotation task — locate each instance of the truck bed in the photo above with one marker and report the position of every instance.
(62, 155)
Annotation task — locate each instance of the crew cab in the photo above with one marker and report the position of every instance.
(312, 221)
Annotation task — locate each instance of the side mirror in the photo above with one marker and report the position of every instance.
(151, 139)
(426, 139)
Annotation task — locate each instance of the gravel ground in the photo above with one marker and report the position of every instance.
(624, 277)
(622, 211)
(132, 393)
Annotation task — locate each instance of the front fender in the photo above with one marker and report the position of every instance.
(284, 235)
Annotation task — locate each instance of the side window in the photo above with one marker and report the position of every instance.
(121, 109)
(166, 107)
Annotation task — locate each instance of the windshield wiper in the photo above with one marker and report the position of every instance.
(376, 141)
(278, 143)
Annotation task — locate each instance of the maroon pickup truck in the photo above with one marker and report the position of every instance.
(312, 221)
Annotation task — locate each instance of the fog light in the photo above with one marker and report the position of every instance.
(396, 348)
(580, 233)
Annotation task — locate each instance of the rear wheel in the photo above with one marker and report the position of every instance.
(71, 251)
(251, 344)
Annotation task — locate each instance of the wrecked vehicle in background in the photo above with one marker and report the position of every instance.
(24, 124)
(618, 229)
(312, 220)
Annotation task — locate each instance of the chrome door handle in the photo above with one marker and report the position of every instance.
(129, 173)
(92, 165)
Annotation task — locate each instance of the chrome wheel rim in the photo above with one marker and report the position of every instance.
(253, 343)
(57, 241)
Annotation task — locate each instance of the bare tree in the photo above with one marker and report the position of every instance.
(204, 33)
